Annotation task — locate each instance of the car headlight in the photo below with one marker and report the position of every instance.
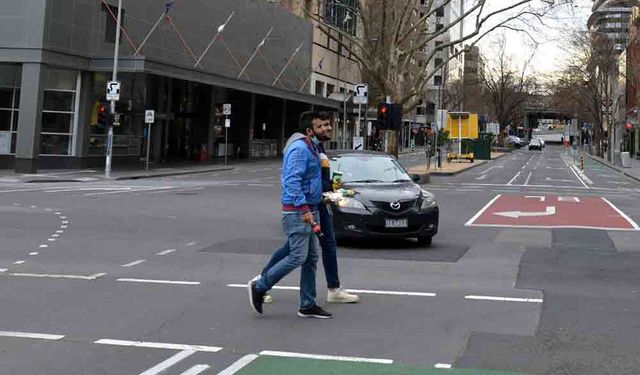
(428, 201)
(351, 203)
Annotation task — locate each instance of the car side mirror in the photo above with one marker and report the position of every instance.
(415, 177)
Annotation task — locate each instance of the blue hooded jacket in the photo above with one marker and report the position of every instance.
(301, 176)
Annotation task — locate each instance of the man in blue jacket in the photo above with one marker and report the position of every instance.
(300, 196)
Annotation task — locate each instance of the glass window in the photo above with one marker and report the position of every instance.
(366, 169)
(58, 112)
(6, 97)
(58, 79)
(55, 144)
(5, 120)
(58, 101)
(56, 122)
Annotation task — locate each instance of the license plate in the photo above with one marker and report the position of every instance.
(396, 223)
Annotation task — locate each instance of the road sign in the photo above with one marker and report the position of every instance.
(551, 211)
(226, 109)
(493, 128)
(227, 123)
(361, 94)
(149, 116)
(358, 143)
(607, 102)
(113, 90)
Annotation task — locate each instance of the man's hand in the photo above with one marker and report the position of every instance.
(307, 218)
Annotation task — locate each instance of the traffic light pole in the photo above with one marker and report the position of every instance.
(107, 167)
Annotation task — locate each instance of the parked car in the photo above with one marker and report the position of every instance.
(388, 203)
(515, 141)
(535, 144)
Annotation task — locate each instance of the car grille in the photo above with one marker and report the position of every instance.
(386, 206)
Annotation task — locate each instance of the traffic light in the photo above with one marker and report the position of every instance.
(102, 115)
(384, 115)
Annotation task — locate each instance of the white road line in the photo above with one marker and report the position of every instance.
(20, 262)
(192, 243)
(514, 178)
(50, 276)
(627, 218)
(526, 183)
(160, 281)
(43, 246)
(33, 253)
(503, 299)
(482, 210)
(159, 345)
(361, 291)
(443, 365)
(195, 370)
(51, 239)
(166, 252)
(134, 263)
(63, 217)
(553, 227)
(17, 190)
(29, 335)
(239, 364)
(48, 209)
(65, 222)
(3, 270)
(574, 172)
(55, 235)
(32, 206)
(59, 231)
(162, 366)
(63, 227)
(325, 357)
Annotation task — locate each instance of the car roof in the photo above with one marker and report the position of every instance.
(342, 153)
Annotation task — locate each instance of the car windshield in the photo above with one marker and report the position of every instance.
(369, 169)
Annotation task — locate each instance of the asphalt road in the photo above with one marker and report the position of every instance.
(144, 277)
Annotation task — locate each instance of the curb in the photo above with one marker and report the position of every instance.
(474, 165)
(614, 168)
(169, 174)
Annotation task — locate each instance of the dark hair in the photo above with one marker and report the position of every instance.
(305, 121)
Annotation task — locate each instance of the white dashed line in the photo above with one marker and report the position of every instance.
(239, 364)
(162, 366)
(360, 291)
(65, 222)
(48, 209)
(33, 253)
(166, 252)
(28, 335)
(63, 217)
(43, 246)
(20, 262)
(160, 281)
(134, 263)
(159, 345)
(325, 357)
(55, 235)
(443, 365)
(59, 231)
(77, 277)
(58, 213)
(63, 227)
(195, 370)
(51, 239)
(3, 270)
(192, 243)
(32, 206)
(503, 299)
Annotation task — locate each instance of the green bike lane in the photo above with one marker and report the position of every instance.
(269, 365)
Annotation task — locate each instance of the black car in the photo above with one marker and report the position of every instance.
(535, 144)
(387, 204)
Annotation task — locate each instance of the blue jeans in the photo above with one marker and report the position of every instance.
(328, 245)
(301, 252)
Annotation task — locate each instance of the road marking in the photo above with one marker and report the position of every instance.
(34, 253)
(239, 364)
(627, 218)
(192, 243)
(43, 246)
(3, 270)
(20, 262)
(195, 370)
(48, 209)
(482, 177)
(166, 252)
(160, 281)
(526, 183)
(514, 178)
(551, 210)
(542, 198)
(58, 213)
(51, 239)
(494, 167)
(503, 299)
(557, 180)
(162, 366)
(360, 291)
(77, 277)
(63, 227)
(55, 235)
(482, 210)
(569, 199)
(65, 222)
(32, 206)
(134, 263)
(63, 217)
(574, 172)
(159, 345)
(325, 357)
(443, 365)
(29, 335)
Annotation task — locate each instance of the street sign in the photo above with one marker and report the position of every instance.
(551, 211)
(361, 94)
(226, 109)
(113, 90)
(358, 143)
(149, 116)
(493, 128)
(227, 123)
(607, 102)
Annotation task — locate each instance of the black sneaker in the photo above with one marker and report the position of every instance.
(255, 297)
(314, 311)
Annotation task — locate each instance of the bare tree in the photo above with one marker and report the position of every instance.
(507, 88)
(391, 44)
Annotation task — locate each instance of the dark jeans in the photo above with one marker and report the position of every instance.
(328, 245)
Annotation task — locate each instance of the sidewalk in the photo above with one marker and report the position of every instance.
(632, 172)
(451, 169)
(117, 174)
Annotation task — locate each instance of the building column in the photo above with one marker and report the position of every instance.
(30, 120)
(80, 138)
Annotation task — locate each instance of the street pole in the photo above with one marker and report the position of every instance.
(359, 119)
(107, 168)
(146, 168)
(459, 134)
(226, 135)
(344, 122)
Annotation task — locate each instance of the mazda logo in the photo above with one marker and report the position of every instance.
(395, 205)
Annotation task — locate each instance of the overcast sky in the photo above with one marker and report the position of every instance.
(549, 56)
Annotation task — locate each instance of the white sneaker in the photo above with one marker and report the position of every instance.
(267, 298)
(339, 295)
